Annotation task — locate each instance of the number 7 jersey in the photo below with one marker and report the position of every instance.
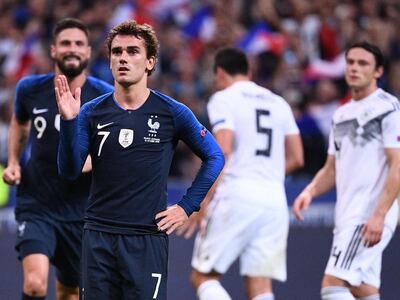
(260, 121)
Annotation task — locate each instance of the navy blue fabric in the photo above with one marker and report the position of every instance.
(123, 267)
(130, 178)
(59, 241)
(42, 191)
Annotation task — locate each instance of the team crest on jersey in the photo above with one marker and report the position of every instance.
(152, 132)
(125, 137)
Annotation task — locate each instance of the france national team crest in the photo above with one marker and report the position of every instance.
(154, 126)
(125, 137)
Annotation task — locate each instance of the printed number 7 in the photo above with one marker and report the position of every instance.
(158, 276)
(268, 131)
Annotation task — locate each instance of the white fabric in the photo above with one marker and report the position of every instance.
(236, 108)
(212, 290)
(238, 228)
(361, 131)
(336, 293)
(354, 263)
(268, 296)
(372, 297)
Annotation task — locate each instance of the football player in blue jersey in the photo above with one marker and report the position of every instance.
(131, 135)
(49, 209)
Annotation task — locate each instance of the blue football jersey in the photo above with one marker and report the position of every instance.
(131, 153)
(42, 190)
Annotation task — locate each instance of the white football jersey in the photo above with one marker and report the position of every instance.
(361, 131)
(260, 121)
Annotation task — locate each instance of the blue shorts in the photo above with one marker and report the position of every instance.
(126, 267)
(61, 242)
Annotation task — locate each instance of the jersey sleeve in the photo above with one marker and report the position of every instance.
(219, 113)
(290, 123)
(203, 144)
(74, 145)
(21, 92)
(391, 130)
(331, 146)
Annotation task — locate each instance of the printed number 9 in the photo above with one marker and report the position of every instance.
(40, 125)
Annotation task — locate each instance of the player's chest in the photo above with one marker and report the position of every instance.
(130, 131)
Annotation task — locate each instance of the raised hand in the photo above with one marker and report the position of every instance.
(68, 104)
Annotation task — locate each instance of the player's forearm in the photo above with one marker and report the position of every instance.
(69, 153)
(323, 181)
(17, 138)
(390, 191)
(213, 163)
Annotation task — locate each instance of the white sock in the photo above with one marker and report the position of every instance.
(372, 297)
(266, 296)
(212, 290)
(336, 293)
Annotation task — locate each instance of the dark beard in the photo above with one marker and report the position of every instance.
(72, 72)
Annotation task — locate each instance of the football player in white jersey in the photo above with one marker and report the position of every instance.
(248, 215)
(363, 161)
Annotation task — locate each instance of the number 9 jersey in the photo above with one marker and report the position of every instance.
(41, 190)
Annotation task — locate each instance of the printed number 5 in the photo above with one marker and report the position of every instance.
(158, 276)
(268, 131)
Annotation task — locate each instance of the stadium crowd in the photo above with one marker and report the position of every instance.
(295, 48)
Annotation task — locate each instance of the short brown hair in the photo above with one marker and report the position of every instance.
(143, 31)
(68, 23)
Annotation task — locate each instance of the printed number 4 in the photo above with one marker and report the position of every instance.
(158, 276)
(267, 131)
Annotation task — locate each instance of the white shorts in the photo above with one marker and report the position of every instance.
(258, 235)
(351, 261)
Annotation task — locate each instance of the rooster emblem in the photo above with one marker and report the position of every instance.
(153, 126)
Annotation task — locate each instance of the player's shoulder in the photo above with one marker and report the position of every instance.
(35, 82)
(172, 103)
(96, 102)
(99, 84)
(387, 98)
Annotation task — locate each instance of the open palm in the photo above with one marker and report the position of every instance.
(68, 104)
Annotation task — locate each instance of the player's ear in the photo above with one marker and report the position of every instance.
(89, 52)
(378, 72)
(151, 63)
(52, 51)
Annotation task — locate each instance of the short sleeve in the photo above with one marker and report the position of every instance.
(20, 98)
(219, 113)
(331, 147)
(391, 130)
(290, 123)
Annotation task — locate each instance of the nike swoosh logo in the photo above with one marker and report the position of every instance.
(104, 125)
(37, 111)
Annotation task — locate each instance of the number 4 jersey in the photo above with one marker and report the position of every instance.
(41, 190)
(260, 121)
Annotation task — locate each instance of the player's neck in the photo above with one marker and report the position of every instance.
(131, 97)
(361, 93)
(239, 78)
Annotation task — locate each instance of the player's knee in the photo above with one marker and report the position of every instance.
(195, 279)
(35, 285)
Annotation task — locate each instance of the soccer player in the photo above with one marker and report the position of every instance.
(131, 135)
(364, 162)
(248, 215)
(49, 209)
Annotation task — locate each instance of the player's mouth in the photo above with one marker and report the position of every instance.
(72, 59)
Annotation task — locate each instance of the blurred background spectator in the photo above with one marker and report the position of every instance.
(295, 46)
